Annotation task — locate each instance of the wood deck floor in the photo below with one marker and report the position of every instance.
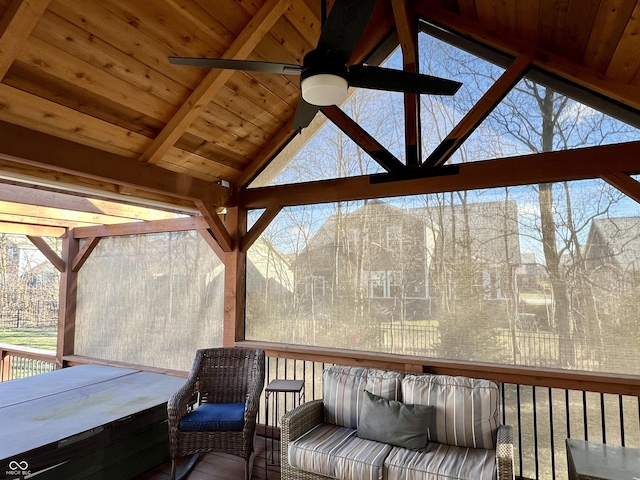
(214, 466)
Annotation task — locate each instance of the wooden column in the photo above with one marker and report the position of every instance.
(67, 299)
(235, 278)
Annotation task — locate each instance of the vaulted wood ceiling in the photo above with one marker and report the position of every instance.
(88, 98)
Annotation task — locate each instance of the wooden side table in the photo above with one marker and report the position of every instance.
(597, 461)
(295, 389)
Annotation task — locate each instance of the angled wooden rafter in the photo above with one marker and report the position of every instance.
(256, 230)
(625, 183)
(208, 237)
(216, 225)
(48, 252)
(365, 141)
(16, 26)
(83, 254)
(479, 111)
(215, 80)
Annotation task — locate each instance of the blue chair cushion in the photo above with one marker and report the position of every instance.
(214, 417)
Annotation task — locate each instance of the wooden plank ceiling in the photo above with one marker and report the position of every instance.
(88, 98)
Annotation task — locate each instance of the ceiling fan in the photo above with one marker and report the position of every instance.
(324, 74)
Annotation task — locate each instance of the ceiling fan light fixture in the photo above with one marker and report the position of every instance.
(324, 89)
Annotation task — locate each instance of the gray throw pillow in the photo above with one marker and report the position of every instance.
(395, 423)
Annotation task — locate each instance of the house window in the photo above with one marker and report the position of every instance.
(394, 282)
(394, 238)
(318, 285)
(377, 280)
(385, 284)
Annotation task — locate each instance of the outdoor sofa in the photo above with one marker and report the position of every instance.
(382, 424)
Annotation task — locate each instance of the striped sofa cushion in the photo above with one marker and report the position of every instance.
(466, 409)
(441, 462)
(343, 387)
(337, 452)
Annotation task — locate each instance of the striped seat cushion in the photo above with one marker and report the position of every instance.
(337, 452)
(440, 462)
(343, 389)
(466, 409)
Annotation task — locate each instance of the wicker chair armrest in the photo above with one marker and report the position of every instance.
(297, 422)
(504, 453)
(181, 401)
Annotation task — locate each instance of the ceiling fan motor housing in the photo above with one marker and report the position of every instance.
(323, 79)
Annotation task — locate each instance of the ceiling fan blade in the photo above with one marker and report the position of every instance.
(379, 78)
(246, 65)
(345, 25)
(305, 112)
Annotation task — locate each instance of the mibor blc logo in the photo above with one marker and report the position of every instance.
(18, 469)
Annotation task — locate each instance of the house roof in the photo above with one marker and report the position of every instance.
(615, 240)
(89, 100)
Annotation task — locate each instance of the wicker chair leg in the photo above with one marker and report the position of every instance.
(248, 466)
(173, 469)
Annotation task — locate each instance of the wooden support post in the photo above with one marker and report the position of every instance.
(68, 299)
(407, 33)
(235, 278)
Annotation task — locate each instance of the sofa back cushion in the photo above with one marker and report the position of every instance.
(343, 389)
(466, 409)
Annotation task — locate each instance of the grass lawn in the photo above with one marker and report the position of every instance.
(34, 337)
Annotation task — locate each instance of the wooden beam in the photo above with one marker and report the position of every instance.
(256, 230)
(41, 222)
(65, 218)
(208, 237)
(365, 141)
(83, 255)
(27, 195)
(16, 25)
(33, 230)
(480, 110)
(557, 166)
(141, 228)
(626, 184)
(407, 33)
(16, 172)
(48, 252)
(40, 150)
(215, 80)
(216, 225)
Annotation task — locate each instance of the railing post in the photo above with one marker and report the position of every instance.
(5, 365)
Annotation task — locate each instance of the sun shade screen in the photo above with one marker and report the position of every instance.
(150, 300)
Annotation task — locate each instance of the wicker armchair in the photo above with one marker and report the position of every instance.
(218, 376)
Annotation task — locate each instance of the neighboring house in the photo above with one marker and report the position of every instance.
(397, 263)
(28, 283)
(531, 274)
(612, 254)
(268, 271)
